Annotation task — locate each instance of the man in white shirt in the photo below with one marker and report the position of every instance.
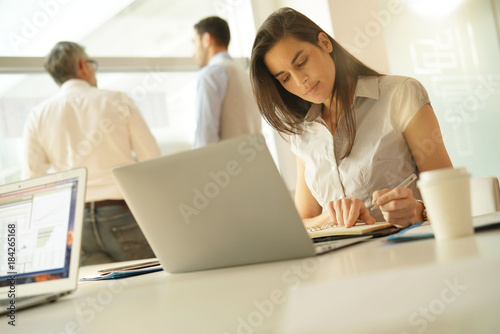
(225, 106)
(84, 126)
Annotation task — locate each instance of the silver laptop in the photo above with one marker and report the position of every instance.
(218, 206)
(40, 235)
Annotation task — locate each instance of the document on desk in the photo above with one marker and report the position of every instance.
(359, 229)
(123, 272)
(424, 230)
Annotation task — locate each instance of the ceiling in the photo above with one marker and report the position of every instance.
(126, 28)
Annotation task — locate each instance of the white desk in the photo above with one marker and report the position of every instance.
(413, 287)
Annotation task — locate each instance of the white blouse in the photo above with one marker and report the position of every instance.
(380, 157)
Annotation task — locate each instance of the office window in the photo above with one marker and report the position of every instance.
(165, 100)
(453, 48)
(19, 93)
(123, 30)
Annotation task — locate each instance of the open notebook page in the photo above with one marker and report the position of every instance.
(358, 229)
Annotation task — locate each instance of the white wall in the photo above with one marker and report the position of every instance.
(453, 48)
(359, 27)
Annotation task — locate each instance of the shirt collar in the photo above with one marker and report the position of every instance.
(74, 83)
(219, 57)
(314, 113)
(365, 87)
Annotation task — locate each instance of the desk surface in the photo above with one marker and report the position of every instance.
(374, 287)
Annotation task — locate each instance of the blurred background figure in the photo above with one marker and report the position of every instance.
(225, 106)
(84, 126)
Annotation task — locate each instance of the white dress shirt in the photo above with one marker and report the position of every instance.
(83, 126)
(225, 105)
(380, 157)
(210, 93)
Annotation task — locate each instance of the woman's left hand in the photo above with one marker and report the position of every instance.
(397, 205)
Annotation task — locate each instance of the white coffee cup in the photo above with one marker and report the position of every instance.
(446, 194)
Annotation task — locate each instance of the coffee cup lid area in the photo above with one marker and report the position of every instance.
(443, 174)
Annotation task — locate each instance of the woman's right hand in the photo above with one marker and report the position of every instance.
(347, 211)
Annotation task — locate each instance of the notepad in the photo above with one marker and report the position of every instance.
(125, 271)
(121, 274)
(358, 229)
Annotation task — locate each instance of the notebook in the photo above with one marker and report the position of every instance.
(218, 206)
(360, 228)
(40, 236)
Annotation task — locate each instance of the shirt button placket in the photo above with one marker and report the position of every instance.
(337, 181)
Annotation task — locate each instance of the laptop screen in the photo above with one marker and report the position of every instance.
(39, 222)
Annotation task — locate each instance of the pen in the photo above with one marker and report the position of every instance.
(130, 267)
(403, 184)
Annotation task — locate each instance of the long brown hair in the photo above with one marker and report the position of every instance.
(284, 111)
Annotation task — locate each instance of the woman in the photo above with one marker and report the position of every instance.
(356, 133)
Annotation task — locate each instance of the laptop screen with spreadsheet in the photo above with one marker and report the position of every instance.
(37, 230)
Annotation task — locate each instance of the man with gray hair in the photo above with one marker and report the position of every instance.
(84, 126)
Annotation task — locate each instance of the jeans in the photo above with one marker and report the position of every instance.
(111, 234)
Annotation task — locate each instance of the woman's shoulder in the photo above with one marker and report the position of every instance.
(398, 82)
(395, 80)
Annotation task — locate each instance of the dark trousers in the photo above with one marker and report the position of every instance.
(111, 234)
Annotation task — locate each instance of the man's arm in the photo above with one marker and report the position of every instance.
(34, 159)
(142, 140)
